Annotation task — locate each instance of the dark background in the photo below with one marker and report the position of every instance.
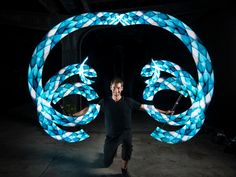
(120, 51)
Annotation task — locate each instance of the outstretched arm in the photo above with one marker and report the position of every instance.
(160, 110)
(82, 112)
(142, 107)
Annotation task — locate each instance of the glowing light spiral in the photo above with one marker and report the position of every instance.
(192, 119)
(53, 91)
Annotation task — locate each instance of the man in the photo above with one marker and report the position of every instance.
(118, 113)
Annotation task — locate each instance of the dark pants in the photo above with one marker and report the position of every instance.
(112, 143)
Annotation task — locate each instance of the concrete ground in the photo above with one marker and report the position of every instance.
(27, 151)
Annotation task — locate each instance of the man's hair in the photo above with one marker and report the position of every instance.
(117, 80)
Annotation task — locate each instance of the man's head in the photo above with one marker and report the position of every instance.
(116, 86)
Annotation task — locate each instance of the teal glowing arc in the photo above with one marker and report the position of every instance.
(200, 92)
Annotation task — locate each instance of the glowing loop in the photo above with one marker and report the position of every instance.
(53, 91)
(182, 82)
(49, 118)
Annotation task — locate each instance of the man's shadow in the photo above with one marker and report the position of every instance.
(112, 175)
(98, 163)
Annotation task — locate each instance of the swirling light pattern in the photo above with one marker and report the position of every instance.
(200, 93)
(54, 91)
(181, 81)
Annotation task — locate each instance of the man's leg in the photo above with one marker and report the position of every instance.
(127, 149)
(126, 154)
(110, 148)
(124, 164)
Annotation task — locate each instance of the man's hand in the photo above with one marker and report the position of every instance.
(80, 113)
(170, 112)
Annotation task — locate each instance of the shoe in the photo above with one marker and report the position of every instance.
(125, 172)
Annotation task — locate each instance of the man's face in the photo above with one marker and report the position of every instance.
(116, 89)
